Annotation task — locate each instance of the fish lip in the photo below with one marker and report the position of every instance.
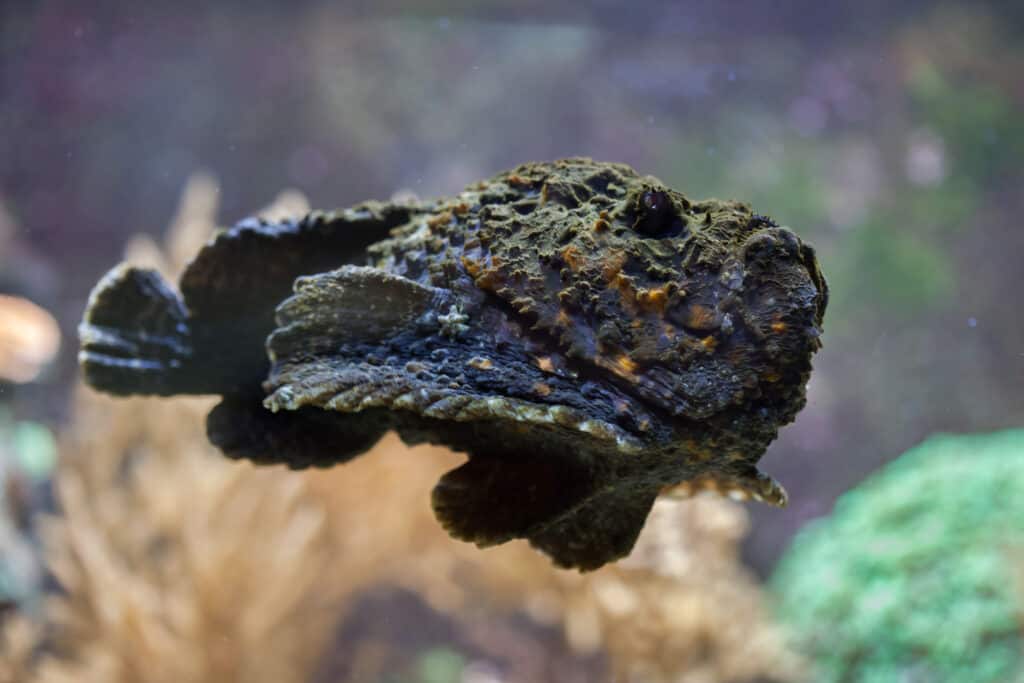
(809, 260)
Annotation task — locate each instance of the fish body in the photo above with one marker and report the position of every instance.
(588, 336)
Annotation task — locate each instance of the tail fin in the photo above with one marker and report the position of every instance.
(135, 337)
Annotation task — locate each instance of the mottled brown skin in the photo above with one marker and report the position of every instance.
(588, 336)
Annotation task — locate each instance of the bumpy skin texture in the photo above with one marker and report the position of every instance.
(588, 336)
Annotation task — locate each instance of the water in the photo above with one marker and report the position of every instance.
(886, 134)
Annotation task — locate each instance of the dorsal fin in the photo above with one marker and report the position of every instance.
(248, 269)
(236, 281)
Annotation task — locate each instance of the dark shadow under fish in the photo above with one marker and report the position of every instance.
(589, 337)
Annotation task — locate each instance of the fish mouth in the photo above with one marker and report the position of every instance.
(779, 244)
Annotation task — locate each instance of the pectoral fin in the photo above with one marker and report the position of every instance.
(556, 504)
(601, 530)
(350, 305)
(490, 500)
(349, 339)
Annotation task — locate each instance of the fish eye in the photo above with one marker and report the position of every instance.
(657, 216)
(655, 202)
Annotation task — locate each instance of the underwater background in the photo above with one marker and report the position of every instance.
(889, 135)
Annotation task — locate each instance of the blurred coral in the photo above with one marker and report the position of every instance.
(19, 639)
(28, 453)
(29, 339)
(176, 564)
(681, 608)
(912, 576)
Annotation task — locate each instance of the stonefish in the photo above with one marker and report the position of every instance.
(587, 336)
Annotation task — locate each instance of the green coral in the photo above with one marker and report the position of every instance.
(912, 578)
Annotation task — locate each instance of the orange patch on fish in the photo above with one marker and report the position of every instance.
(624, 285)
(545, 364)
(701, 317)
(697, 453)
(654, 299)
(572, 258)
(622, 365)
(488, 279)
(612, 266)
(472, 267)
(443, 218)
